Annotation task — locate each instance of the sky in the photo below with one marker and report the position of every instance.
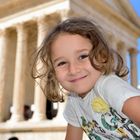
(136, 6)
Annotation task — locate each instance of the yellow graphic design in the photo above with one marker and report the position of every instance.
(99, 105)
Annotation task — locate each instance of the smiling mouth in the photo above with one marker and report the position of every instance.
(77, 79)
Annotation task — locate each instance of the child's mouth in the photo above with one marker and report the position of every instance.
(77, 79)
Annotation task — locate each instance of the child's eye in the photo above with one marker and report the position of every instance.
(84, 56)
(61, 63)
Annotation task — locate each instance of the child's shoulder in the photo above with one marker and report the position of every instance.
(112, 83)
(109, 79)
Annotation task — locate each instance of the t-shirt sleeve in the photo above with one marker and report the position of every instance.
(116, 91)
(70, 113)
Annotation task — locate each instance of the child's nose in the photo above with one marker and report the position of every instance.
(74, 67)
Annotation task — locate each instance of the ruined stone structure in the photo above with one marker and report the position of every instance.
(23, 25)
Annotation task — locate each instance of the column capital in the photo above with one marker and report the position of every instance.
(64, 14)
(41, 18)
(3, 32)
(19, 24)
(20, 27)
(112, 40)
(133, 51)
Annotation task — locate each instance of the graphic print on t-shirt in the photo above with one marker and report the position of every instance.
(113, 126)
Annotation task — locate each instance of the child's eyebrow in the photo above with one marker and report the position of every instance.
(83, 50)
(56, 59)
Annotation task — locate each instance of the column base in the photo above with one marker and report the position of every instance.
(38, 117)
(16, 118)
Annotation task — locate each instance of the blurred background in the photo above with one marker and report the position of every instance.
(136, 5)
(25, 112)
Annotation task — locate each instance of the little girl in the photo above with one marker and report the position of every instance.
(76, 57)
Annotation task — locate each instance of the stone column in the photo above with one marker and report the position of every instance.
(3, 63)
(64, 14)
(20, 76)
(123, 51)
(112, 40)
(39, 106)
(133, 67)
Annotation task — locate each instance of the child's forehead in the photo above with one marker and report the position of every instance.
(66, 34)
(70, 42)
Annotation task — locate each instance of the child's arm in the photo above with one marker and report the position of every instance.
(74, 133)
(131, 108)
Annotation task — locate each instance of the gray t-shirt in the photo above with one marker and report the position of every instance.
(99, 113)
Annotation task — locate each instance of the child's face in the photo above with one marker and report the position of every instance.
(72, 65)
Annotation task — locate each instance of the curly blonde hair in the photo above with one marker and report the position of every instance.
(102, 57)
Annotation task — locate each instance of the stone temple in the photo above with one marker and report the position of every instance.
(24, 110)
